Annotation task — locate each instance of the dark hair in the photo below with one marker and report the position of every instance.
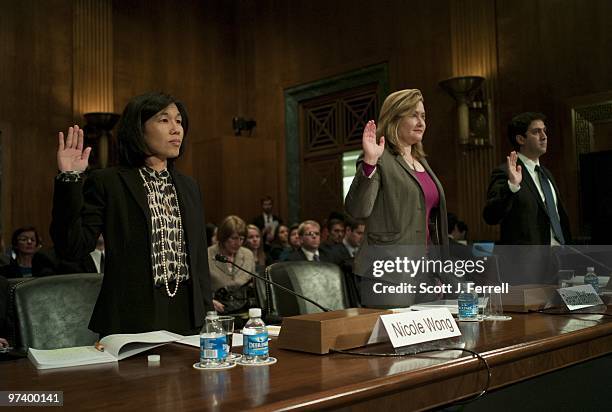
(333, 222)
(130, 131)
(266, 197)
(19, 231)
(353, 224)
(520, 124)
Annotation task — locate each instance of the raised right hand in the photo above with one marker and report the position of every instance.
(515, 174)
(372, 150)
(70, 153)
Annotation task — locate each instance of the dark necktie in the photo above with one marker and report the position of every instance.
(550, 205)
(315, 258)
(102, 262)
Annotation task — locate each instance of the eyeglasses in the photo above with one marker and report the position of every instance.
(26, 239)
(240, 238)
(312, 234)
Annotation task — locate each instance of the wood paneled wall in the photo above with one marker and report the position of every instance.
(235, 57)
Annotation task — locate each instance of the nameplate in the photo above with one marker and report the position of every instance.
(579, 297)
(409, 328)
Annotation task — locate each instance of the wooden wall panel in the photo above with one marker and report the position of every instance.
(302, 41)
(235, 57)
(474, 50)
(36, 88)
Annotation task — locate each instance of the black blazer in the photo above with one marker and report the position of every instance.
(522, 215)
(113, 202)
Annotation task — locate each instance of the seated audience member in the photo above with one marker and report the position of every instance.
(345, 254)
(295, 242)
(26, 243)
(335, 231)
(233, 288)
(353, 236)
(254, 243)
(310, 236)
(280, 244)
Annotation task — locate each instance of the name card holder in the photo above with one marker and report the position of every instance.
(409, 328)
(580, 297)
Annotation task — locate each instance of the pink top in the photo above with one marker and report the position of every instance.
(432, 196)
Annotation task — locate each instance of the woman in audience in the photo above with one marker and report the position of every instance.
(156, 266)
(280, 243)
(295, 242)
(25, 242)
(254, 243)
(394, 190)
(232, 287)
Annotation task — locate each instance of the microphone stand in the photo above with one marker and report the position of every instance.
(224, 259)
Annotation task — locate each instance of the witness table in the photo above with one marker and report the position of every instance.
(524, 347)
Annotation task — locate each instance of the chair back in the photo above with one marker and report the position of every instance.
(53, 312)
(320, 281)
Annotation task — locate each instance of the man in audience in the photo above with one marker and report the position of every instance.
(266, 221)
(310, 236)
(335, 229)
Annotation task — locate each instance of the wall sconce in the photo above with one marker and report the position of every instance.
(472, 112)
(240, 123)
(99, 135)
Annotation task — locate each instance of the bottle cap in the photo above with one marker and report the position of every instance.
(153, 358)
(211, 313)
(255, 313)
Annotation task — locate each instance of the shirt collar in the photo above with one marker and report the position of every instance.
(162, 175)
(529, 164)
(309, 254)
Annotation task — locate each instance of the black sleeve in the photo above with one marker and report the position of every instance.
(499, 198)
(77, 217)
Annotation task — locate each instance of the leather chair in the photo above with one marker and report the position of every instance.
(320, 281)
(53, 312)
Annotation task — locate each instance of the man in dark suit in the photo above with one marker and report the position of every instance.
(523, 197)
(266, 221)
(310, 234)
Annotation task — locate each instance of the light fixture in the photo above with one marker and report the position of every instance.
(98, 132)
(471, 111)
(240, 123)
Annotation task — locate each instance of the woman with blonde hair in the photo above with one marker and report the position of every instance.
(394, 190)
(254, 243)
(231, 286)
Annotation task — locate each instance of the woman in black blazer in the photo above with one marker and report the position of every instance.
(151, 217)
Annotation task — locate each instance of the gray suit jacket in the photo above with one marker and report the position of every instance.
(393, 205)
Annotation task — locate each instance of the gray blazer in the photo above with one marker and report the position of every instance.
(392, 204)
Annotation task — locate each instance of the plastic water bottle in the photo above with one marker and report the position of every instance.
(468, 302)
(591, 278)
(255, 338)
(213, 345)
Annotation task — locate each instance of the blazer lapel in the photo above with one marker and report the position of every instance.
(134, 183)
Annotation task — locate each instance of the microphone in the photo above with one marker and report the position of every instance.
(224, 259)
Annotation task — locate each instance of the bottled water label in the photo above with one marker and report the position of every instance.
(213, 347)
(468, 307)
(256, 345)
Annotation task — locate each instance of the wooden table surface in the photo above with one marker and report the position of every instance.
(526, 346)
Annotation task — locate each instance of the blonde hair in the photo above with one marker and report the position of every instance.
(302, 226)
(397, 105)
(260, 255)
